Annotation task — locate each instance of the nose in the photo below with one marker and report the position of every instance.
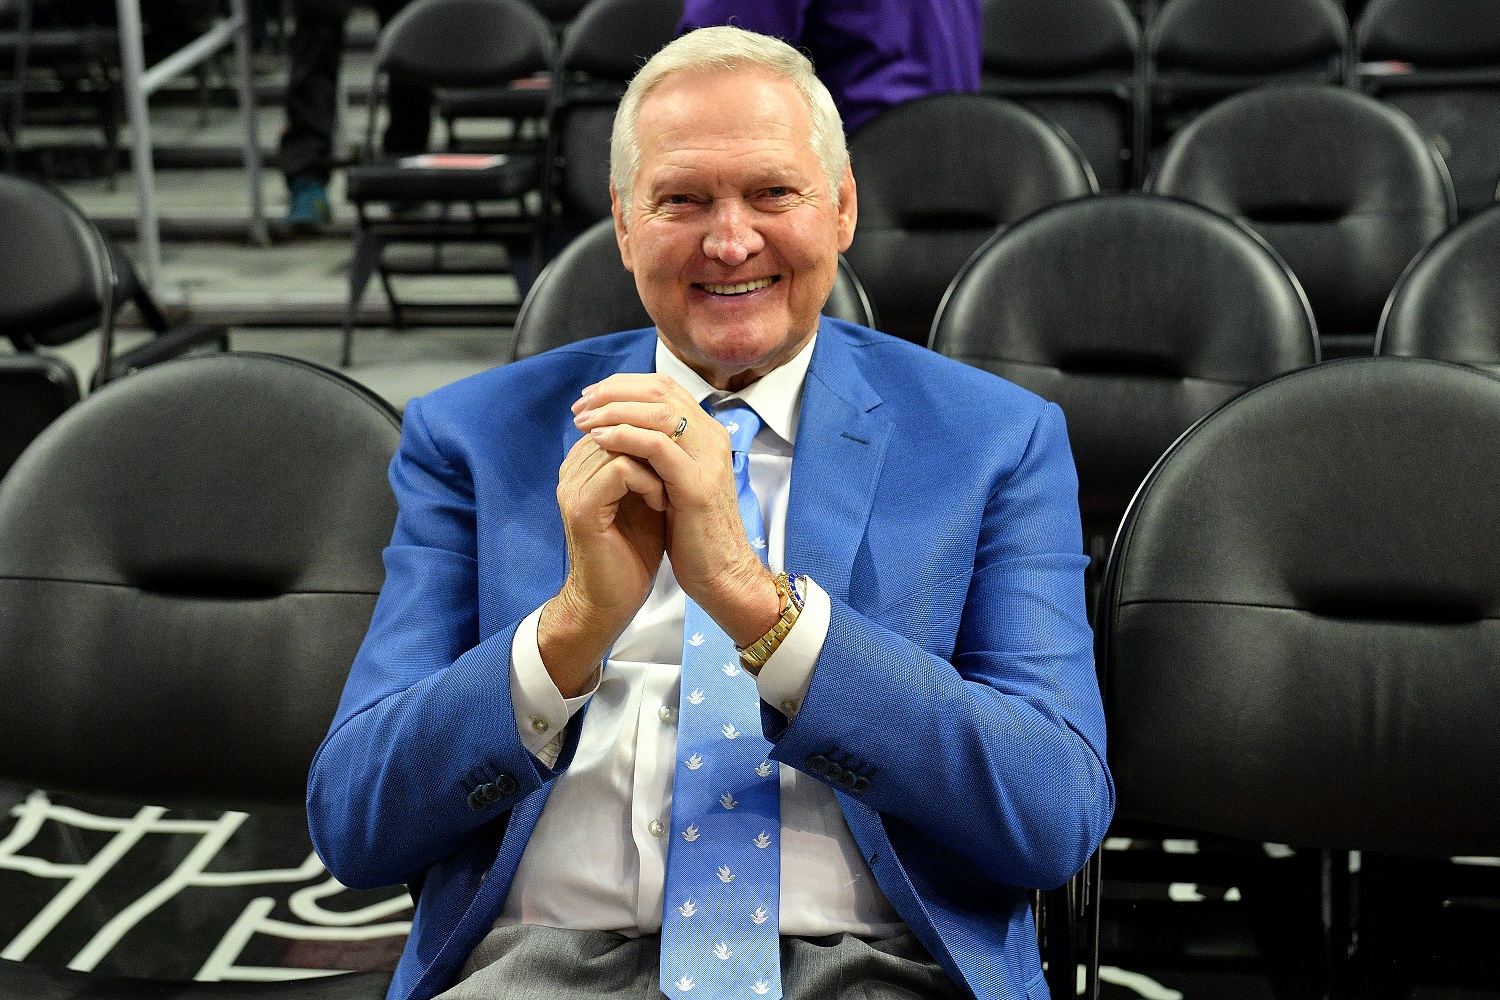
(732, 236)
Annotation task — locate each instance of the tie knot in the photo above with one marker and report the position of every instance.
(742, 423)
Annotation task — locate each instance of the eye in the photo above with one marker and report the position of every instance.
(778, 192)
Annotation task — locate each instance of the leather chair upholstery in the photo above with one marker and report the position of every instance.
(1074, 63)
(1300, 622)
(189, 558)
(586, 292)
(1300, 631)
(1447, 305)
(1137, 315)
(188, 561)
(1438, 61)
(34, 391)
(1234, 39)
(1200, 51)
(1343, 187)
(937, 177)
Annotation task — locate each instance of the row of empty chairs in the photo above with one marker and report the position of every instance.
(1121, 85)
(1343, 187)
(61, 279)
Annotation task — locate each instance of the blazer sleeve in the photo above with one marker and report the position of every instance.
(997, 751)
(423, 749)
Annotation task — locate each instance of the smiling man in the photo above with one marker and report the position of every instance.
(740, 656)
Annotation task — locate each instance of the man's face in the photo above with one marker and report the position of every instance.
(732, 233)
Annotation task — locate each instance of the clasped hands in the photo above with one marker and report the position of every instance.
(631, 491)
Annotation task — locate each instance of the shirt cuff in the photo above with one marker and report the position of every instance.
(788, 673)
(542, 713)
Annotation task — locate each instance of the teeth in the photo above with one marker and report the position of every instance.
(739, 289)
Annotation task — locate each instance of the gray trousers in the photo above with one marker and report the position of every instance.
(529, 961)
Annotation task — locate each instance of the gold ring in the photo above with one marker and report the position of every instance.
(681, 427)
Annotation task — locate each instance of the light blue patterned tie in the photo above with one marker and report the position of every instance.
(720, 935)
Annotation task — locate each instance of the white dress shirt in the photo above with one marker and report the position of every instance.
(596, 860)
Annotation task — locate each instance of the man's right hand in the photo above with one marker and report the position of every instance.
(612, 512)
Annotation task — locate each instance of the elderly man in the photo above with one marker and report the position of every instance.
(741, 656)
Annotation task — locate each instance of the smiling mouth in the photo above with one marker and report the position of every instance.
(742, 288)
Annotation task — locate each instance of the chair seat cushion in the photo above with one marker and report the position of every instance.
(388, 180)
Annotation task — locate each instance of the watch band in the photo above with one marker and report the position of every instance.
(755, 655)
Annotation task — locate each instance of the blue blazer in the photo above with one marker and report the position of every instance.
(937, 506)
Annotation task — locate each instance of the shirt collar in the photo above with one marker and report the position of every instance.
(776, 396)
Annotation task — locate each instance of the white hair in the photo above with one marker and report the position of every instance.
(716, 49)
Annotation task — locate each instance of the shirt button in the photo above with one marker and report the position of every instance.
(667, 713)
(789, 707)
(540, 724)
(656, 828)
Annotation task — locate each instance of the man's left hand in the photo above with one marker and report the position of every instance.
(637, 415)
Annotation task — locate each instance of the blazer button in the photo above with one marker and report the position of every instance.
(479, 799)
(834, 771)
(847, 780)
(861, 784)
(506, 785)
(817, 763)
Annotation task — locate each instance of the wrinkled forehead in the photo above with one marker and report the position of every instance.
(747, 112)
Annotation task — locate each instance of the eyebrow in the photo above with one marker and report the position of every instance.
(671, 180)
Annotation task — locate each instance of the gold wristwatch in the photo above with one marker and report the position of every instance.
(755, 655)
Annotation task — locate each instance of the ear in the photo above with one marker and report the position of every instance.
(622, 235)
(848, 209)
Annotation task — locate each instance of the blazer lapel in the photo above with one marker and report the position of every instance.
(841, 444)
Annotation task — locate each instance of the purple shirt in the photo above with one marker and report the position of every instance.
(870, 54)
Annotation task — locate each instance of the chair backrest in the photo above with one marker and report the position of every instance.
(1431, 34)
(586, 292)
(601, 50)
(1137, 315)
(1447, 305)
(1438, 61)
(56, 281)
(1245, 39)
(465, 43)
(1344, 188)
(188, 561)
(1074, 63)
(937, 177)
(1300, 636)
(1200, 51)
(35, 389)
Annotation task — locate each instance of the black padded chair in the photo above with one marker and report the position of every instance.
(1301, 621)
(1075, 63)
(446, 44)
(1345, 188)
(601, 50)
(35, 389)
(1137, 315)
(1447, 305)
(60, 279)
(188, 561)
(1439, 62)
(1201, 51)
(586, 292)
(937, 177)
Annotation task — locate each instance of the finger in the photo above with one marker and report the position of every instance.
(679, 469)
(639, 479)
(645, 387)
(662, 417)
